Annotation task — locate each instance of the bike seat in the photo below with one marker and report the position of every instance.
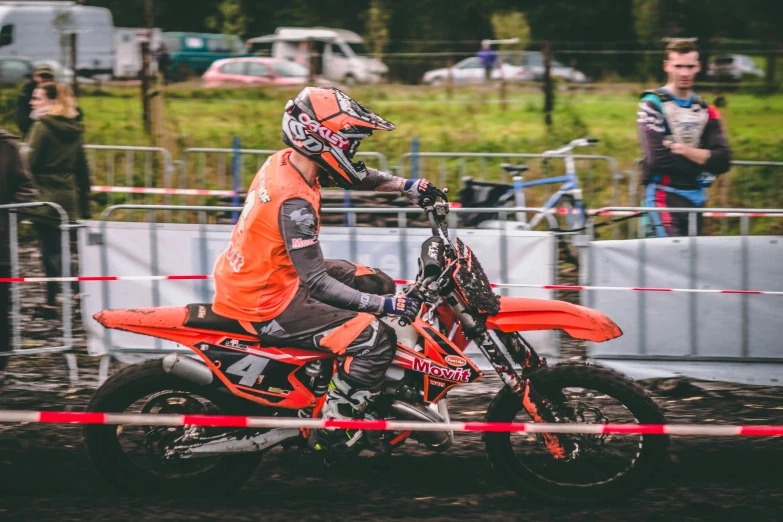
(200, 315)
(511, 168)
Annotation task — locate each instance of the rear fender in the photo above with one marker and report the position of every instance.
(522, 314)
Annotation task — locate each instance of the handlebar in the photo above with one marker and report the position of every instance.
(430, 208)
(428, 205)
(581, 142)
(433, 223)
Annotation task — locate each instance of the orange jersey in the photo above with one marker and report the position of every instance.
(255, 279)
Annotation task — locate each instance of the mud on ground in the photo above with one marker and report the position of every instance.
(45, 473)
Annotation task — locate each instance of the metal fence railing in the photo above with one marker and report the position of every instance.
(453, 166)
(213, 167)
(66, 310)
(747, 183)
(227, 169)
(131, 166)
(743, 214)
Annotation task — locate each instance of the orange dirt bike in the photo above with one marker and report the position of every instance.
(232, 373)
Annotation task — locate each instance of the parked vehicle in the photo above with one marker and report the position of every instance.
(127, 50)
(533, 63)
(232, 373)
(470, 70)
(733, 66)
(15, 71)
(255, 71)
(41, 31)
(193, 53)
(339, 55)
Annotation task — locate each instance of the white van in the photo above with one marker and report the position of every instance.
(127, 50)
(341, 55)
(41, 31)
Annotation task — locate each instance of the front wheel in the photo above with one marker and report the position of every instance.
(607, 467)
(140, 459)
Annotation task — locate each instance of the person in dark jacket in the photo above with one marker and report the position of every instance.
(42, 74)
(163, 58)
(59, 168)
(16, 186)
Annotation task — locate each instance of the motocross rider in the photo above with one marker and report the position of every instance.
(273, 277)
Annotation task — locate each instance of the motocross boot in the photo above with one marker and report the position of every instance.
(343, 402)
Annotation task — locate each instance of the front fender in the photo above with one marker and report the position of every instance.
(522, 313)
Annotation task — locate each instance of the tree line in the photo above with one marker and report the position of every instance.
(412, 26)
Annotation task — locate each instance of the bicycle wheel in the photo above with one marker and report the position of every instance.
(569, 215)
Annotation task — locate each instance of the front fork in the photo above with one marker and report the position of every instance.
(540, 409)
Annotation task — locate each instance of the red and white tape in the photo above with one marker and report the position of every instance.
(576, 288)
(573, 288)
(638, 289)
(167, 191)
(148, 419)
(100, 278)
(705, 214)
(560, 211)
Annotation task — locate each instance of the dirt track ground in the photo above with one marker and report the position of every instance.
(46, 475)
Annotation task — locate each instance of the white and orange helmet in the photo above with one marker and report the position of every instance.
(326, 125)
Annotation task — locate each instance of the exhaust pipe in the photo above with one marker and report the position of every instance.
(187, 368)
(436, 440)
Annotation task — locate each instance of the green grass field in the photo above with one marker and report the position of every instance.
(471, 120)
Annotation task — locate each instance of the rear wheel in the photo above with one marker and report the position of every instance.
(140, 458)
(607, 467)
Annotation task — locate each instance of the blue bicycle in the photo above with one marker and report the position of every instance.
(567, 202)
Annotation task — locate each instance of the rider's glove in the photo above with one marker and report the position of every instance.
(401, 305)
(416, 189)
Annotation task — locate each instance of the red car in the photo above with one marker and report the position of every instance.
(254, 71)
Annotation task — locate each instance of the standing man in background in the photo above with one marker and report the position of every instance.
(16, 186)
(163, 58)
(489, 59)
(683, 143)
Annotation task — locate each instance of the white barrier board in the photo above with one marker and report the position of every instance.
(135, 249)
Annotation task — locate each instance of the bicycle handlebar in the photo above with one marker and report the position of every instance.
(581, 142)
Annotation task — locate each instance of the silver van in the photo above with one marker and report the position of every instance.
(41, 31)
(339, 55)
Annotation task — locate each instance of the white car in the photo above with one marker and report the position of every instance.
(470, 70)
(734, 66)
(533, 63)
